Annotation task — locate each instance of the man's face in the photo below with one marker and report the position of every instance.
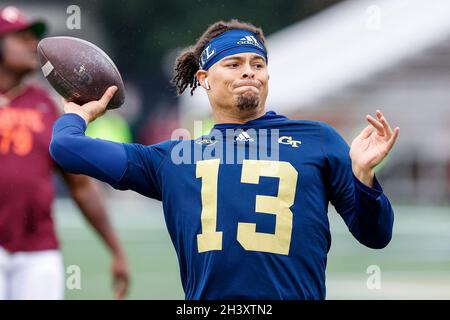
(19, 51)
(239, 80)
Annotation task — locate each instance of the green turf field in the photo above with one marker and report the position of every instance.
(416, 264)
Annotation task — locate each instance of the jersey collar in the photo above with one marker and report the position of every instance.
(267, 117)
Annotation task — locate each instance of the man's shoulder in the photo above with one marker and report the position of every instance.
(304, 125)
(305, 122)
(165, 145)
(162, 146)
(36, 90)
(40, 94)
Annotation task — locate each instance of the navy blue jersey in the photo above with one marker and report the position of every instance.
(251, 228)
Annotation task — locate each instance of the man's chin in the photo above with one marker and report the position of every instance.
(247, 101)
(27, 68)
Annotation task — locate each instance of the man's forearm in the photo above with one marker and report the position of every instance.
(374, 217)
(89, 201)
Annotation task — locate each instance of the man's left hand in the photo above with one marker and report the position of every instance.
(371, 146)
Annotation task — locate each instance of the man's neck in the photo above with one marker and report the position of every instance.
(225, 116)
(9, 80)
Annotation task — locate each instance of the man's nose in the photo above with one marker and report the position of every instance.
(248, 72)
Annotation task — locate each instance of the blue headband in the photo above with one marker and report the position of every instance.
(229, 43)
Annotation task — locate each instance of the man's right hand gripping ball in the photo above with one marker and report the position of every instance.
(93, 109)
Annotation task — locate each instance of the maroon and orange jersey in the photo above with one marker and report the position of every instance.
(26, 184)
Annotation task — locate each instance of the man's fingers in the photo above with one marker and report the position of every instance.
(392, 140)
(66, 102)
(121, 287)
(378, 114)
(376, 124)
(69, 105)
(387, 127)
(107, 96)
(385, 123)
(367, 131)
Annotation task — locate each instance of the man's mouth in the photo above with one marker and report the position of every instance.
(255, 84)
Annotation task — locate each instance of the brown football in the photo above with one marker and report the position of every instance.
(79, 71)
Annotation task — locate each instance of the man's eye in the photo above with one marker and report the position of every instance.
(233, 65)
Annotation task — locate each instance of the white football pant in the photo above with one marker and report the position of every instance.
(31, 275)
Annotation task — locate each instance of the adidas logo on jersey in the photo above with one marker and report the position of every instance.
(250, 40)
(244, 136)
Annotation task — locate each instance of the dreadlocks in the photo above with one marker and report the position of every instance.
(187, 63)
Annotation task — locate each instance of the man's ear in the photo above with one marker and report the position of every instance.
(201, 76)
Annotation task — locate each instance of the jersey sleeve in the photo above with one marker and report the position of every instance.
(366, 210)
(121, 165)
(144, 163)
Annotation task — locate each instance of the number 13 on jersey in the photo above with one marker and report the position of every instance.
(278, 242)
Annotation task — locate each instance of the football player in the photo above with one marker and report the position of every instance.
(31, 265)
(248, 219)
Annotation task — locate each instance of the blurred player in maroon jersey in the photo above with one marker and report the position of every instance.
(31, 266)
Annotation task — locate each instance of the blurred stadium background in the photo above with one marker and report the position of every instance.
(333, 61)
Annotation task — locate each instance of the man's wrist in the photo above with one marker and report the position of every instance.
(118, 254)
(365, 175)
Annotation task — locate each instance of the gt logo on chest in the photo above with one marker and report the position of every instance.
(288, 140)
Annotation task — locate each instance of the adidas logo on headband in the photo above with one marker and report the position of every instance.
(229, 43)
(250, 40)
